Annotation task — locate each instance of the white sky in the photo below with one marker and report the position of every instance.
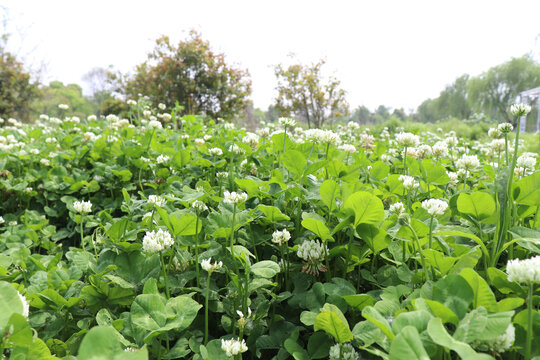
(396, 53)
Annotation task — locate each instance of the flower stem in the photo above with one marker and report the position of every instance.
(82, 235)
(419, 251)
(164, 275)
(206, 310)
(431, 232)
(528, 342)
(197, 250)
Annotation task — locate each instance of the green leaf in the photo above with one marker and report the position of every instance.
(371, 314)
(439, 261)
(294, 161)
(186, 225)
(483, 296)
(10, 303)
(437, 309)
(440, 336)
(375, 238)
(265, 269)
(454, 292)
(359, 301)
(318, 228)
(529, 190)
(329, 191)
(332, 324)
(101, 343)
(418, 319)
(473, 324)
(272, 213)
(479, 205)
(408, 345)
(367, 208)
(319, 345)
(297, 351)
(148, 312)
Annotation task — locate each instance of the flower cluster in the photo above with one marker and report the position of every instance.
(505, 128)
(499, 344)
(281, 237)
(161, 159)
(235, 198)
(407, 139)
(313, 252)
(468, 162)
(207, 265)
(199, 206)
(287, 122)
(409, 183)
(235, 149)
(154, 124)
(397, 208)
(215, 151)
(155, 241)
(520, 109)
(251, 139)
(233, 347)
(82, 207)
(524, 271)
(25, 305)
(348, 148)
(157, 200)
(343, 352)
(435, 206)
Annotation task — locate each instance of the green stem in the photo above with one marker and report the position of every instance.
(405, 170)
(348, 255)
(197, 250)
(422, 259)
(206, 310)
(528, 342)
(82, 234)
(164, 275)
(431, 232)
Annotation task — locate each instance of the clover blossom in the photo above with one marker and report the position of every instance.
(468, 162)
(287, 122)
(343, 352)
(524, 271)
(199, 206)
(161, 159)
(281, 237)
(157, 200)
(207, 265)
(25, 305)
(397, 208)
(505, 127)
(435, 206)
(215, 151)
(233, 347)
(82, 206)
(407, 139)
(155, 241)
(520, 109)
(409, 183)
(313, 252)
(351, 149)
(499, 344)
(235, 198)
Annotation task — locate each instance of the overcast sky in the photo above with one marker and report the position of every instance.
(396, 53)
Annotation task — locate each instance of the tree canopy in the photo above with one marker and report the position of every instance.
(194, 76)
(302, 91)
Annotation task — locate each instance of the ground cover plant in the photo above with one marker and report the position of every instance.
(166, 237)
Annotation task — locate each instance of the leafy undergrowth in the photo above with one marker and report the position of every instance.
(123, 239)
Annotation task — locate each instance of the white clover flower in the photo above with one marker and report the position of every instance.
(215, 151)
(505, 127)
(235, 198)
(199, 206)
(520, 109)
(162, 106)
(13, 223)
(2, 220)
(451, 141)
(45, 162)
(500, 344)
(185, 137)
(424, 151)
(63, 106)
(348, 148)
(199, 142)
(207, 137)
(524, 271)
(468, 162)
(412, 152)
(527, 162)
(409, 183)
(228, 126)
(453, 177)
(397, 208)
(161, 159)
(147, 113)
(497, 145)
(281, 237)
(111, 118)
(385, 158)
(287, 122)
(235, 149)
(50, 140)
(407, 139)
(251, 139)
(207, 265)
(233, 347)
(222, 174)
(34, 151)
(82, 207)
(155, 241)
(343, 352)
(264, 132)
(494, 133)
(435, 206)
(312, 250)
(131, 102)
(154, 124)
(26, 306)
(353, 125)
(157, 200)
(243, 318)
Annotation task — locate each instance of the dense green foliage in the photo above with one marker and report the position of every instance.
(369, 265)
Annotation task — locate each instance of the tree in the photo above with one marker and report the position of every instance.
(16, 88)
(58, 93)
(302, 91)
(100, 88)
(362, 115)
(453, 99)
(192, 74)
(495, 90)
